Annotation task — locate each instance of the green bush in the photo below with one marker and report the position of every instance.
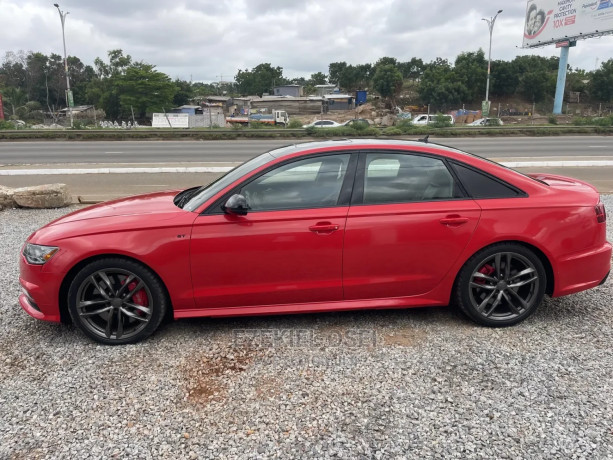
(393, 131)
(552, 120)
(441, 121)
(405, 125)
(593, 121)
(6, 125)
(294, 124)
(359, 126)
(311, 130)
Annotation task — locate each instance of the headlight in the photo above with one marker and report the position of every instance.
(38, 255)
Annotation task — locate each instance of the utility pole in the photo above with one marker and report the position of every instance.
(69, 100)
(490, 24)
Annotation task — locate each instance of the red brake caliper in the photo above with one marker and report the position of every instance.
(139, 298)
(487, 270)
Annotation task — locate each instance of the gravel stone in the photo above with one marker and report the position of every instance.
(420, 383)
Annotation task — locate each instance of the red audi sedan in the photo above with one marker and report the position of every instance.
(322, 226)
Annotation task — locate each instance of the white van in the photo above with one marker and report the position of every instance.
(427, 119)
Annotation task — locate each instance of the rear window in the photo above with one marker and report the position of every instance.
(481, 185)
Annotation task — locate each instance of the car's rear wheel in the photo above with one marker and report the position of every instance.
(116, 301)
(501, 285)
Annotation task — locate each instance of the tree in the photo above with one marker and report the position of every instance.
(471, 70)
(413, 69)
(184, 92)
(15, 98)
(102, 90)
(318, 78)
(144, 89)
(335, 70)
(504, 79)
(261, 79)
(388, 81)
(601, 84)
(441, 86)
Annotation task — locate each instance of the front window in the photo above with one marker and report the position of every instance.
(202, 194)
(310, 183)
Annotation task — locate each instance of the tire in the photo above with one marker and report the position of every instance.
(117, 301)
(491, 295)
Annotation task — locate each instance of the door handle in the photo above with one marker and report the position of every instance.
(323, 227)
(454, 220)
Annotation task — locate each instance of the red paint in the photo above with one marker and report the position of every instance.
(337, 258)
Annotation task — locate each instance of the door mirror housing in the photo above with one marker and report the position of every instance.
(236, 205)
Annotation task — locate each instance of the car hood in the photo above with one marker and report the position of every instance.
(151, 203)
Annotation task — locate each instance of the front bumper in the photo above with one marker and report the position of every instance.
(40, 292)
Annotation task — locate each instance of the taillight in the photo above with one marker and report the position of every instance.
(601, 213)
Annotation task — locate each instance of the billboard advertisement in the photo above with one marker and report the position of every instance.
(551, 21)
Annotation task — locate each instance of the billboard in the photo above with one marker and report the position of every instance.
(551, 21)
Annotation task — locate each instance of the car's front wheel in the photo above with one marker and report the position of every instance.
(501, 285)
(116, 301)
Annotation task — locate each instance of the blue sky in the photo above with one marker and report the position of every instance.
(205, 39)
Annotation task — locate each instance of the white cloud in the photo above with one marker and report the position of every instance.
(204, 39)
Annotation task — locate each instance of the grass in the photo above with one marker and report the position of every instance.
(593, 126)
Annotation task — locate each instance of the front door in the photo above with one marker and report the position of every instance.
(287, 249)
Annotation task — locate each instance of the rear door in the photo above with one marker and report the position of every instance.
(408, 223)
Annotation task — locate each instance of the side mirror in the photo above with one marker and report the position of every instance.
(236, 205)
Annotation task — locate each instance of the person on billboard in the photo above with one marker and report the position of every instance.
(531, 19)
(539, 21)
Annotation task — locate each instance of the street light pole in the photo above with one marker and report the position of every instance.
(490, 24)
(63, 19)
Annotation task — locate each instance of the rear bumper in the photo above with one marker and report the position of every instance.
(582, 271)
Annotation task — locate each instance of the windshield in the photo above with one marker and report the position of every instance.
(206, 192)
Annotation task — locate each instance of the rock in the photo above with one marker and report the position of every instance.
(388, 120)
(42, 196)
(6, 197)
(378, 121)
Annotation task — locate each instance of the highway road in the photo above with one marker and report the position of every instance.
(19, 153)
(58, 161)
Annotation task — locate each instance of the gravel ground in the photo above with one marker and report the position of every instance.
(419, 383)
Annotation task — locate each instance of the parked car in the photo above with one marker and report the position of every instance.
(428, 119)
(322, 226)
(487, 122)
(354, 121)
(323, 124)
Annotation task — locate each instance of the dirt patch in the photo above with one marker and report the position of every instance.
(207, 378)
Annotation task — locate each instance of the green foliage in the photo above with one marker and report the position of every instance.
(593, 121)
(145, 89)
(310, 130)
(261, 79)
(6, 125)
(184, 93)
(552, 120)
(441, 86)
(441, 121)
(393, 131)
(471, 71)
(294, 124)
(387, 81)
(601, 85)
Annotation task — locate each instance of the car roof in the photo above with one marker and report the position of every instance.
(358, 143)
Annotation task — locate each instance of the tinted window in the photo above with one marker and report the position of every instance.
(311, 183)
(398, 178)
(479, 185)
